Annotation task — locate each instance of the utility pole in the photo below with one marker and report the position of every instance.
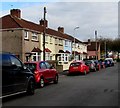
(105, 49)
(44, 31)
(96, 43)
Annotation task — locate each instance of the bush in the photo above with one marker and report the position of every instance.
(118, 60)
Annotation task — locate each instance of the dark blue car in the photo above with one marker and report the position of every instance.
(108, 63)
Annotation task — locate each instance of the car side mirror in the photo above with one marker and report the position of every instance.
(14, 66)
(52, 67)
(24, 67)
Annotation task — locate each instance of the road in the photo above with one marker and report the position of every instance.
(94, 89)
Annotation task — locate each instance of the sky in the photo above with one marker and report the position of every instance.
(88, 16)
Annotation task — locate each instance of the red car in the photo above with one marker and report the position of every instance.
(78, 67)
(43, 72)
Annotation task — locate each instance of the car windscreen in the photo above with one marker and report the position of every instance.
(31, 66)
(75, 64)
(88, 62)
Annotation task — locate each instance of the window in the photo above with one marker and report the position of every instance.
(47, 56)
(50, 57)
(56, 41)
(42, 65)
(66, 43)
(73, 45)
(63, 57)
(26, 35)
(46, 39)
(35, 36)
(66, 57)
(60, 42)
(36, 56)
(4, 60)
(47, 65)
(50, 39)
(15, 61)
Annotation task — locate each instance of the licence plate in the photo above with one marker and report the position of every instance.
(75, 67)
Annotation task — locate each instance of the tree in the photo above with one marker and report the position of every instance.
(116, 46)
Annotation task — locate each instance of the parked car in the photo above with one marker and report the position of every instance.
(16, 78)
(108, 63)
(91, 65)
(43, 72)
(78, 67)
(111, 61)
(97, 65)
(102, 63)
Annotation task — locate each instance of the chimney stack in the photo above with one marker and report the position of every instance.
(42, 23)
(61, 29)
(15, 13)
(89, 42)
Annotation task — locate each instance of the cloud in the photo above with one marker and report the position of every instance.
(89, 16)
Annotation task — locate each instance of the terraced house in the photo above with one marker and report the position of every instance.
(25, 40)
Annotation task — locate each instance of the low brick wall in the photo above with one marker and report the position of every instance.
(59, 68)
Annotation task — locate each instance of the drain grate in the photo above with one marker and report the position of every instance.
(111, 90)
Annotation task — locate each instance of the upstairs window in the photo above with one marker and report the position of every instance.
(50, 39)
(56, 41)
(66, 43)
(60, 42)
(35, 36)
(26, 35)
(46, 39)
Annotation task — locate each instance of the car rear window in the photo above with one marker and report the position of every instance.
(88, 62)
(31, 66)
(75, 64)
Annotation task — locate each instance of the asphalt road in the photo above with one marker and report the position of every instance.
(94, 89)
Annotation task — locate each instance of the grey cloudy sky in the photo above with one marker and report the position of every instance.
(89, 16)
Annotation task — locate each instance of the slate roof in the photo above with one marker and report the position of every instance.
(10, 21)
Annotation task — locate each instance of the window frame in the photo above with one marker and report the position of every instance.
(34, 35)
(37, 56)
(26, 34)
(13, 57)
(44, 65)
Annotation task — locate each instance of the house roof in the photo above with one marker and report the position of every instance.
(36, 50)
(47, 50)
(10, 21)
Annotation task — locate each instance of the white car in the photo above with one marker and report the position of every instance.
(112, 61)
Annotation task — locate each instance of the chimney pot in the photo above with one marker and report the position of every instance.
(16, 13)
(61, 29)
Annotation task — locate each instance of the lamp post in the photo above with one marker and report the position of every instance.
(96, 43)
(74, 40)
(44, 31)
(105, 48)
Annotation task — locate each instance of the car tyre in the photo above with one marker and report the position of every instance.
(31, 88)
(42, 83)
(95, 70)
(85, 72)
(56, 79)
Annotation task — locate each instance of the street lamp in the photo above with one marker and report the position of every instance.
(96, 44)
(74, 40)
(105, 47)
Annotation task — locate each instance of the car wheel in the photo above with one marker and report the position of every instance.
(31, 88)
(85, 72)
(42, 83)
(56, 79)
(95, 70)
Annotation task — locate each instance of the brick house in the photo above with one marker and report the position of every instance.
(25, 40)
(91, 50)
